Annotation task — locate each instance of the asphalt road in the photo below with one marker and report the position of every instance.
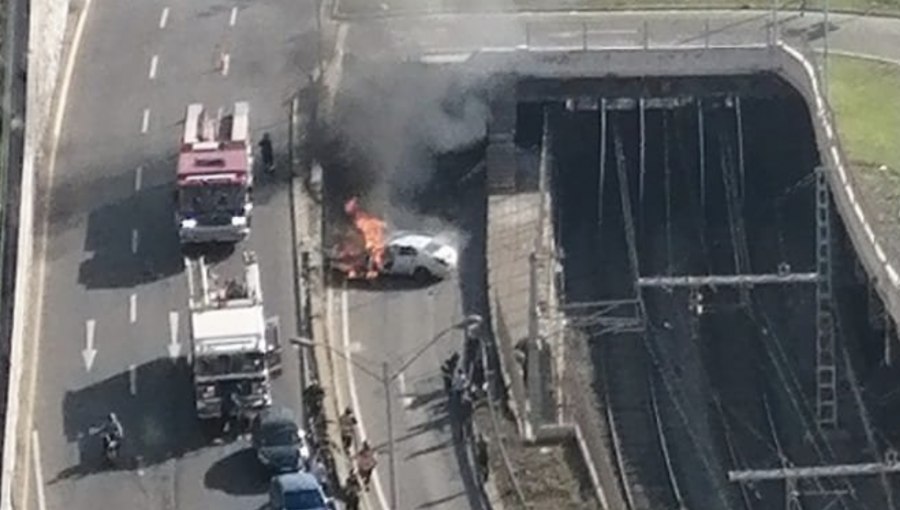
(414, 329)
(92, 272)
(112, 254)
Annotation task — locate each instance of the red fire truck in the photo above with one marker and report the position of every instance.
(215, 176)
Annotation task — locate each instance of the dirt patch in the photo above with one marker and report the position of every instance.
(549, 475)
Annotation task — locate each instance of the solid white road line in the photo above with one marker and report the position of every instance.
(226, 63)
(134, 240)
(154, 62)
(132, 379)
(354, 396)
(164, 18)
(132, 308)
(138, 177)
(59, 116)
(145, 122)
(38, 474)
(233, 20)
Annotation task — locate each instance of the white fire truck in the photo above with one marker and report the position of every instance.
(215, 176)
(235, 350)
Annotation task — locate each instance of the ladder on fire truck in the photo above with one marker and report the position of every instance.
(204, 133)
(208, 290)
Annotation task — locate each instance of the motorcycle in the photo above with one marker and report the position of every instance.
(111, 446)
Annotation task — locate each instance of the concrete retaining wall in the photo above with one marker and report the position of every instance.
(801, 73)
(47, 27)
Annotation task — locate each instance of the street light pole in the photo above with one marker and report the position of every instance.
(389, 412)
(386, 378)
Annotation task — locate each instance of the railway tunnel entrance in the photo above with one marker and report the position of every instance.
(696, 204)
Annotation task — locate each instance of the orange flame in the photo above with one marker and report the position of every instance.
(372, 231)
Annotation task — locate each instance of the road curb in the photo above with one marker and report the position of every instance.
(14, 480)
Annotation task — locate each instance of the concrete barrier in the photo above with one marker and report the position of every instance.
(801, 73)
(49, 19)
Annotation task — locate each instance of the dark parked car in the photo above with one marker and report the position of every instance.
(298, 491)
(280, 444)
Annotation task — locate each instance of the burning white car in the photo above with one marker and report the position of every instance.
(372, 253)
(419, 256)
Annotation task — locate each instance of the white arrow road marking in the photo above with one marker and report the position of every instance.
(132, 379)
(404, 397)
(38, 474)
(89, 353)
(174, 346)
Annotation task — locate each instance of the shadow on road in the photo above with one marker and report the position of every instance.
(158, 418)
(112, 262)
(238, 474)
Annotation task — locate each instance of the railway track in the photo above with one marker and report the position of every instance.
(637, 427)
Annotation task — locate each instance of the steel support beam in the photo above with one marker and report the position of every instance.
(757, 475)
(727, 280)
(826, 362)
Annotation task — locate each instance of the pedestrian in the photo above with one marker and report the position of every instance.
(460, 382)
(265, 147)
(447, 370)
(366, 462)
(320, 471)
(347, 422)
(313, 396)
(351, 491)
(481, 457)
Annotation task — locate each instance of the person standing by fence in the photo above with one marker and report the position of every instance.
(481, 457)
(347, 423)
(366, 462)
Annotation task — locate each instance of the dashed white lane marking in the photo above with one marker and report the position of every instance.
(226, 63)
(404, 396)
(132, 308)
(38, 474)
(164, 18)
(138, 177)
(233, 20)
(134, 240)
(145, 122)
(132, 379)
(154, 63)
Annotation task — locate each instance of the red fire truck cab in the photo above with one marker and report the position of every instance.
(215, 176)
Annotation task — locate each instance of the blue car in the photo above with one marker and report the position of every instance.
(298, 491)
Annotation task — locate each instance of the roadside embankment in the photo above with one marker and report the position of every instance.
(48, 20)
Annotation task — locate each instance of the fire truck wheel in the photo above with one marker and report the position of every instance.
(421, 275)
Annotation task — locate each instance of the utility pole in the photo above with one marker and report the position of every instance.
(386, 380)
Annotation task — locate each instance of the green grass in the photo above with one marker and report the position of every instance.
(376, 7)
(865, 96)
